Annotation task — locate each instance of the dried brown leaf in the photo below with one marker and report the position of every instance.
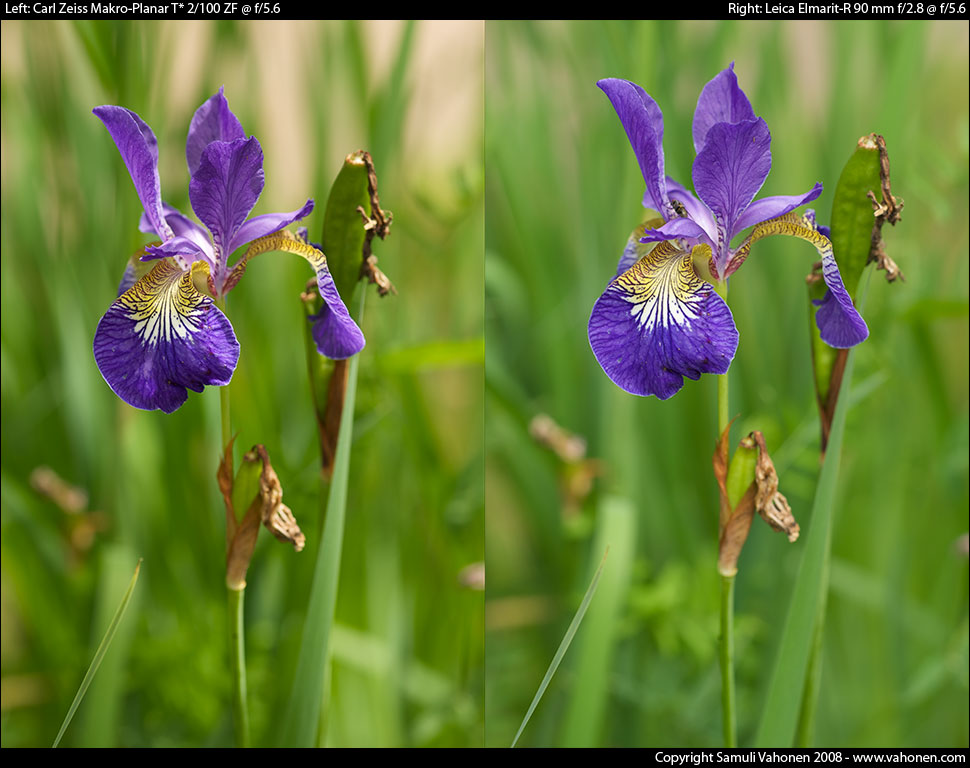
(769, 501)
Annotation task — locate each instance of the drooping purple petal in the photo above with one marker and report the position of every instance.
(139, 150)
(336, 334)
(839, 323)
(694, 207)
(162, 337)
(226, 186)
(644, 125)
(772, 207)
(729, 171)
(659, 322)
(267, 224)
(213, 121)
(721, 101)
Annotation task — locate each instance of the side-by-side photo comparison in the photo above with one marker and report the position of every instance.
(486, 384)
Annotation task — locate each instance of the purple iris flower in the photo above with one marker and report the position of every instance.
(660, 318)
(164, 334)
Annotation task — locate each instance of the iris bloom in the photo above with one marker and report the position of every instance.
(660, 318)
(164, 334)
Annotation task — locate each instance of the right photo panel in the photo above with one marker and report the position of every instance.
(726, 403)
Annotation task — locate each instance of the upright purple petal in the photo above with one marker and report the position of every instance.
(139, 150)
(721, 101)
(729, 171)
(267, 224)
(659, 322)
(162, 337)
(213, 121)
(772, 207)
(644, 125)
(225, 187)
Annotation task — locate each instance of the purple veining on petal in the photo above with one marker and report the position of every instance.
(658, 323)
(213, 121)
(720, 101)
(772, 207)
(267, 224)
(139, 150)
(225, 187)
(150, 351)
(728, 173)
(643, 122)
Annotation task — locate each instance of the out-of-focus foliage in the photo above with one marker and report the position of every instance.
(563, 192)
(407, 645)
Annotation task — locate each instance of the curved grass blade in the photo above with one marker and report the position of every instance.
(99, 654)
(563, 646)
(303, 708)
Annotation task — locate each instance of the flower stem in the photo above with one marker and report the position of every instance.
(727, 662)
(237, 640)
(238, 653)
(728, 695)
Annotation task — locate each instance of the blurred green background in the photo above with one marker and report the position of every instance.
(408, 646)
(563, 193)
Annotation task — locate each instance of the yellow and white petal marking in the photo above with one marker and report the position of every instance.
(166, 304)
(663, 286)
(659, 322)
(163, 336)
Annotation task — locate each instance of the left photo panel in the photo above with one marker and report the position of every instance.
(242, 384)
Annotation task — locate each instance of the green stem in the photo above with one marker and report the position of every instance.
(237, 640)
(728, 695)
(727, 662)
(722, 403)
(238, 652)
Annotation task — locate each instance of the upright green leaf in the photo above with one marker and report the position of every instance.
(852, 217)
(343, 231)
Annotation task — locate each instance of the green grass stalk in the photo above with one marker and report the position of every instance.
(99, 654)
(302, 719)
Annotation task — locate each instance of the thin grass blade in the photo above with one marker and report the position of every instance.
(563, 646)
(99, 654)
(303, 708)
(783, 701)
